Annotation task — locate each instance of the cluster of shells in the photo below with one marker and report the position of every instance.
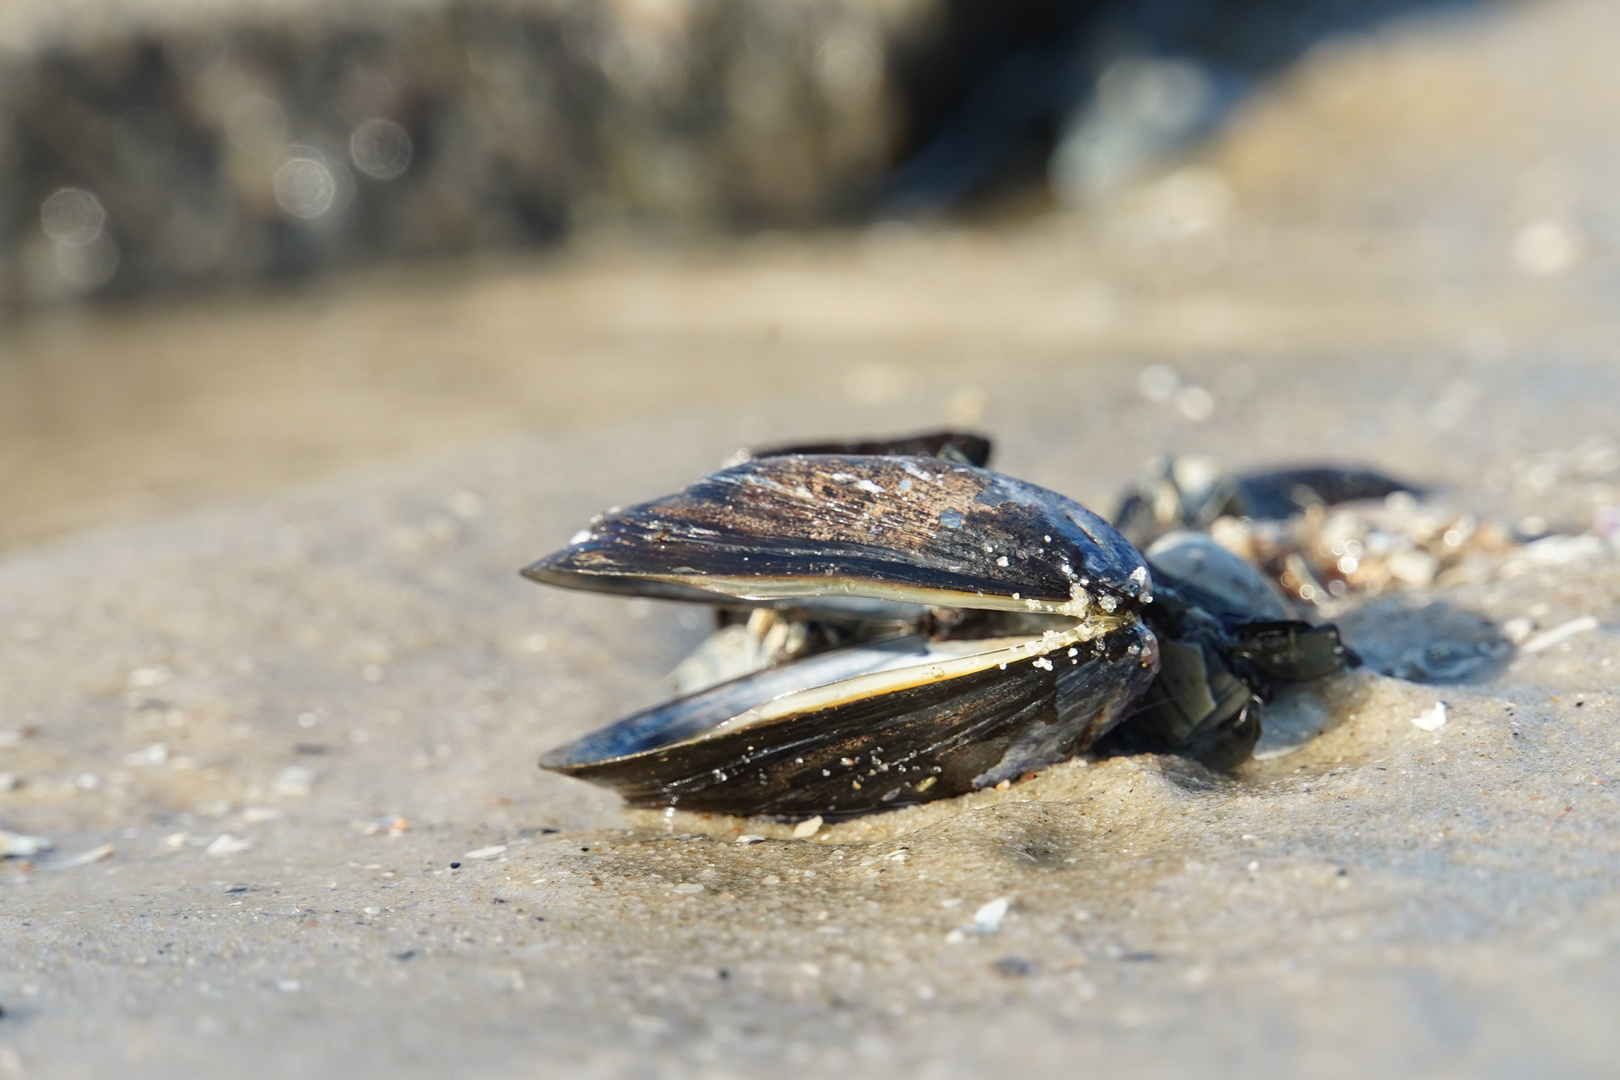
(1326, 556)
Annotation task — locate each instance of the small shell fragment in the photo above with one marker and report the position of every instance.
(987, 920)
(85, 858)
(226, 844)
(807, 828)
(1432, 719)
(153, 756)
(1560, 633)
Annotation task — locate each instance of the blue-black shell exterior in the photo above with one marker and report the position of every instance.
(859, 521)
(936, 740)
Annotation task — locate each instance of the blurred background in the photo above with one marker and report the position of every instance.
(246, 242)
(166, 147)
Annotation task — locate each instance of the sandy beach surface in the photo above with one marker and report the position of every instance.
(271, 685)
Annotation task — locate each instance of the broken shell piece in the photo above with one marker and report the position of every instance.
(1563, 632)
(987, 920)
(1518, 630)
(807, 828)
(1432, 719)
(85, 858)
(226, 844)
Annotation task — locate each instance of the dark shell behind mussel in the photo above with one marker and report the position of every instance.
(961, 447)
(1189, 494)
(1056, 659)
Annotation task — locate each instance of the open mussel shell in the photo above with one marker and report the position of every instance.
(883, 724)
(897, 723)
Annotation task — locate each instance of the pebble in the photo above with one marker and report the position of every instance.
(1518, 630)
(295, 781)
(1014, 967)
(153, 756)
(1559, 550)
(388, 824)
(804, 830)
(492, 852)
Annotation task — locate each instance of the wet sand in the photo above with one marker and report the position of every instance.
(291, 676)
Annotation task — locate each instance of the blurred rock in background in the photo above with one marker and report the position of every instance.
(1093, 95)
(149, 147)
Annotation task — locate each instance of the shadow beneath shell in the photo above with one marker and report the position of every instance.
(1297, 714)
(1416, 641)
(1426, 641)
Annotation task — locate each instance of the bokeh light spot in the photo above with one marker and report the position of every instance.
(305, 187)
(380, 148)
(73, 217)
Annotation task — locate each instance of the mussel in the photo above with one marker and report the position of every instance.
(1192, 492)
(908, 627)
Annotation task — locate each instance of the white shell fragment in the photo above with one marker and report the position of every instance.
(807, 828)
(987, 920)
(153, 756)
(1561, 633)
(85, 858)
(294, 781)
(1432, 719)
(226, 844)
